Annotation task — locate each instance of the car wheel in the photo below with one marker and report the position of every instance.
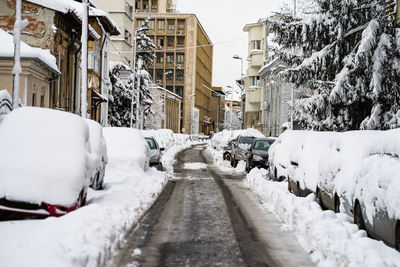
(227, 156)
(82, 198)
(358, 218)
(298, 189)
(397, 244)
(337, 204)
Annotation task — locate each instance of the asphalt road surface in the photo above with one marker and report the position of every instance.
(205, 218)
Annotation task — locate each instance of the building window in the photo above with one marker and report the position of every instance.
(151, 24)
(170, 58)
(255, 81)
(160, 42)
(146, 4)
(170, 88)
(150, 71)
(179, 75)
(159, 76)
(179, 91)
(140, 23)
(128, 9)
(256, 45)
(169, 75)
(181, 41)
(160, 58)
(180, 58)
(33, 99)
(181, 26)
(42, 101)
(154, 5)
(171, 24)
(128, 36)
(161, 24)
(170, 42)
(137, 4)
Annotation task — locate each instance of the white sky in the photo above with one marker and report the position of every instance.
(224, 21)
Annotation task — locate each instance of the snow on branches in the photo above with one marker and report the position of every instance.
(347, 55)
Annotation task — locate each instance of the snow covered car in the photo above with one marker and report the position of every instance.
(155, 153)
(239, 148)
(99, 151)
(45, 162)
(127, 151)
(257, 156)
(377, 198)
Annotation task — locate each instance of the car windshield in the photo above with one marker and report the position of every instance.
(248, 140)
(151, 143)
(262, 144)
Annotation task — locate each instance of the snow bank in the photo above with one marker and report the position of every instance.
(7, 51)
(330, 239)
(44, 156)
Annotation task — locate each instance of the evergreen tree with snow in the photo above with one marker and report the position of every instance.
(347, 57)
(122, 91)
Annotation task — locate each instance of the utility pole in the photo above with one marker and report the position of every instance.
(292, 111)
(19, 25)
(84, 60)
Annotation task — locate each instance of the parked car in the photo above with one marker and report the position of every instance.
(257, 156)
(227, 151)
(155, 153)
(45, 162)
(240, 146)
(99, 150)
(376, 199)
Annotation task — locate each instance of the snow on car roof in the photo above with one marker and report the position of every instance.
(44, 156)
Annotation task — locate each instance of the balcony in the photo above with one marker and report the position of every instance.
(256, 58)
(253, 94)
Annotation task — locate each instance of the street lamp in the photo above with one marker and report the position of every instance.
(241, 85)
(141, 29)
(231, 92)
(165, 98)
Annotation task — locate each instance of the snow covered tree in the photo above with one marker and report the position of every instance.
(347, 56)
(122, 91)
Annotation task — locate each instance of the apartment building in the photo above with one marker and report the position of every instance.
(257, 53)
(122, 13)
(184, 56)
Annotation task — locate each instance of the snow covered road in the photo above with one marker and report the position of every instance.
(206, 218)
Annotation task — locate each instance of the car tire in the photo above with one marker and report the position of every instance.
(298, 189)
(82, 198)
(289, 188)
(337, 204)
(319, 198)
(227, 157)
(397, 236)
(358, 218)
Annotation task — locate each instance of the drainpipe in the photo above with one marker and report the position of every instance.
(69, 49)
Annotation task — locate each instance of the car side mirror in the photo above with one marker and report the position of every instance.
(162, 149)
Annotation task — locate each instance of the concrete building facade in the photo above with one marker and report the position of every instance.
(257, 53)
(184, 57)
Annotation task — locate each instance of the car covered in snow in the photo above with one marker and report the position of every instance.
(45, 162)
(155, 153)
(257, 156)
(127, 150)
(240, 146)
(99, 151)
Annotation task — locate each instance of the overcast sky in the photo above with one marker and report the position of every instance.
(224, 21)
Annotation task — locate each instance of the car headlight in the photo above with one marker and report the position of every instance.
(257, 158)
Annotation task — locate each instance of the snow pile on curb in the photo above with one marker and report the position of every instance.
(91, 235)
(331, 239)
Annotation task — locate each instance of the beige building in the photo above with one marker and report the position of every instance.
(252, 82)
(184, 56)
(121, 12)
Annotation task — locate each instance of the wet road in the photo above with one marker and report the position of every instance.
(203, 218)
